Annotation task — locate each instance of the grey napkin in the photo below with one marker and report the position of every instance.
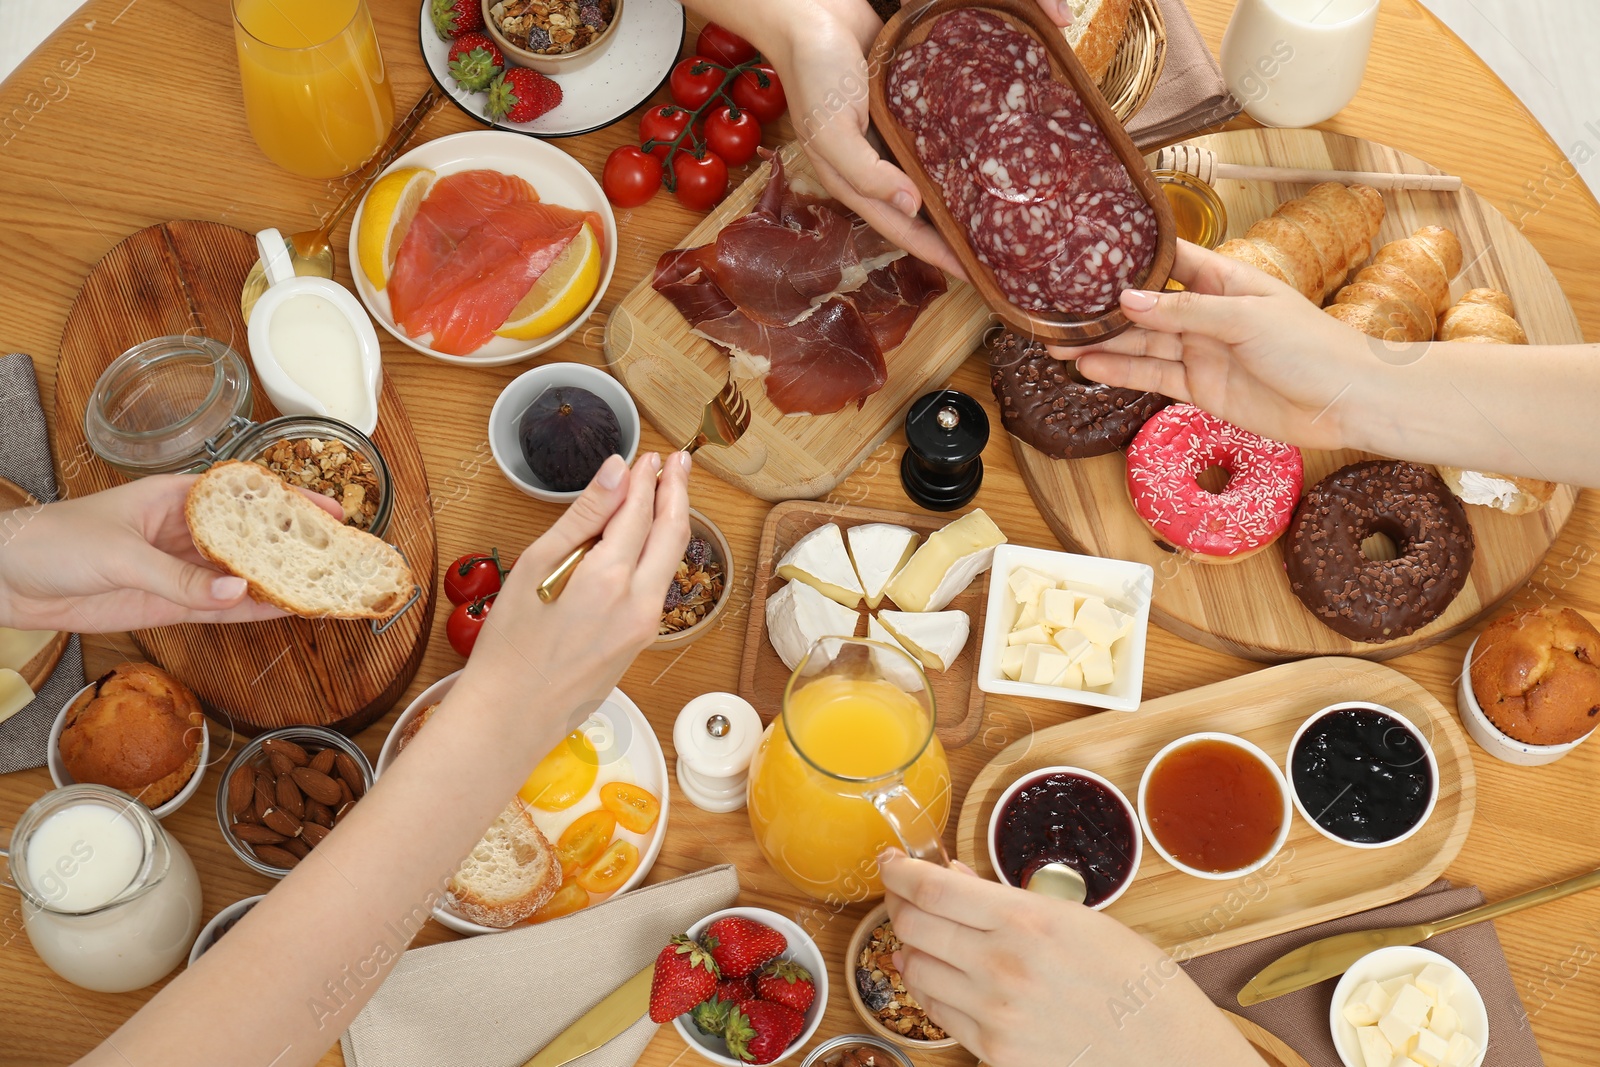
(25, 459)
(1190, 95)
(495, 1000)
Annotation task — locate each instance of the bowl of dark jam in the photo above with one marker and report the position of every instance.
(1362, 775)
(1072, 816)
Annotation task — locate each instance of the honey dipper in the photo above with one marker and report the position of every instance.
(1203, 164)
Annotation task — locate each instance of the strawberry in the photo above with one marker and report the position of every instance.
(759, 1030)
(521, 95)
(685, 975)
(734, 990)
(740, 946)
(452, 18)
(474, 61)
(786, 982)
(710, 1017)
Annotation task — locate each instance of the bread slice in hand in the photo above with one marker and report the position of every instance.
(508, 875)
(252, 524)
(1096, 33)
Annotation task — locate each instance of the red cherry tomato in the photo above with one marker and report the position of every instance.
(702, 182)
(661, 124)
(631, 177)
(694, 80)
(765, 101)
(466, 621)
(473, 576)
(734, 139)
(723, 45)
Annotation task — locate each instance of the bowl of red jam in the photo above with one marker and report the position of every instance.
(1362, 775)
(1072, 816)
(1214, 806)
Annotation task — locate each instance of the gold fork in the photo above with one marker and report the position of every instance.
(725, 419)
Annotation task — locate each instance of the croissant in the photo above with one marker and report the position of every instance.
(1399, 295)
(1314, 242)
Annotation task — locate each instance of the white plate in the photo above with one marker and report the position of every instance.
(558, 178)
(638, 745)
(632, 69)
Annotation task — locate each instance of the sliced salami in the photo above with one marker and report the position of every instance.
(1020, 236)
(908, 99)
(966, 24)
(974, 94)
(1024, 158)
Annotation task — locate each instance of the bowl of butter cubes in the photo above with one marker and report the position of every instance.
(1408, 1006)
(1066, 627)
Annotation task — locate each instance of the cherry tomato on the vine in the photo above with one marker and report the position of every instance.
(472, 576)
(733, 138)
(631, 177)
(466, 621)
(699, 183)
(694, 81)
(723, 45)
(765, 101)
(661, 124)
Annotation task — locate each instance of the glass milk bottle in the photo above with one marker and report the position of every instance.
(110, 900)
(1297, 62)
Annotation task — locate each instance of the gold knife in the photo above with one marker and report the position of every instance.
(1331, 956)
(620, 1010)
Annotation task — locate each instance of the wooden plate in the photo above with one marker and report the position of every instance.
(909, 26)
(1246, 608)
(1313, 879)
(37, 670)
(762, 675)
(185, 276)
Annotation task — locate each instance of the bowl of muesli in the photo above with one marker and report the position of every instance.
(699, 589)
(552, 36)
(878, 992)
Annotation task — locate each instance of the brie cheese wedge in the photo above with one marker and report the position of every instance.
(819, 560)
(879, 550)
(901, 674)
(797, 615)
(946, 563)
(14, 693)
(934, 637)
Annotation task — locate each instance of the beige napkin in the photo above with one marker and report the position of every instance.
(1190, 96)
(495, 1000)
(1300, 1019)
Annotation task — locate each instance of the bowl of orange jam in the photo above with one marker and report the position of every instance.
(1214, 805)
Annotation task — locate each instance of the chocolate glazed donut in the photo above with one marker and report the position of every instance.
(1378, 600)
(1046, 404)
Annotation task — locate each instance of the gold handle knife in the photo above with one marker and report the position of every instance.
(618, 1011)
(1331, 956)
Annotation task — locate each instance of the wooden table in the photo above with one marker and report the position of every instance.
(103, 131)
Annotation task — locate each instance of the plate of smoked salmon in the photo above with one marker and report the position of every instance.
(483, 248)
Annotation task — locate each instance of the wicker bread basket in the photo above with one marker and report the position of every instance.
(1132, 76)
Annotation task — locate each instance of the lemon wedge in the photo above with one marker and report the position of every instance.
(561, 292)
(386, 215)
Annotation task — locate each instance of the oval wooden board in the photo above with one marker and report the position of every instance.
(185, 276)
(1313, 879)
(37, 670)
(1246, 608)
(1266, 1043)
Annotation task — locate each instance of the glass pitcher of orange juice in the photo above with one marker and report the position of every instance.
(851, 766)
(315, 92)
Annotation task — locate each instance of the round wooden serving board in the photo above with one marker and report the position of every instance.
(1246, 608)
(180, 277)
(37, 670)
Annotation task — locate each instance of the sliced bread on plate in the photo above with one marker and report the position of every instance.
(508, 875)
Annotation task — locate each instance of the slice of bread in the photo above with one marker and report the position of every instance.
(252, 524)
(508, 875)
(1096, 33)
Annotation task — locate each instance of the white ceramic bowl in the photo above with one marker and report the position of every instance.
(1125, 586)
(642, 750)
(1044, 772)
(801, 950)
(208, 933)
(524, 390)
(287, 395)
(558, 178)
(1500, 745)
(1400, 721)
(1266, 761)
(1387, 963)
(59, 775)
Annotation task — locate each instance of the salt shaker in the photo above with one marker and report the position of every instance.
(945, 434)
(716, 737)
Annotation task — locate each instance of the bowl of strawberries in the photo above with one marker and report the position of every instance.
(743, 986)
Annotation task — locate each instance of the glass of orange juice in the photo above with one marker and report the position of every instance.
(851, 766)
(315, 92)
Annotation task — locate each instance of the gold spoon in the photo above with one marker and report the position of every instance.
(310, 250)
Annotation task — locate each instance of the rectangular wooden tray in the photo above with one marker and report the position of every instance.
(957, 700)
(1313, 879)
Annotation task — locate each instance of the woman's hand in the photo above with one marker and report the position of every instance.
(1023, 980)
(117, 560)
(1241, 345)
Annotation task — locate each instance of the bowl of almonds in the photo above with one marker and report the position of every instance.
(699, 589)
(285, 792)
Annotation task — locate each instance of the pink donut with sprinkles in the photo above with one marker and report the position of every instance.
(1251, 511)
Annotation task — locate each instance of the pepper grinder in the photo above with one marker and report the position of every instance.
(943, 464)
(716, 737)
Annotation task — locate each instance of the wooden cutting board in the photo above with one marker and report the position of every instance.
(185, 276)
(1246, 608)
(672, 373)
(1313, 879)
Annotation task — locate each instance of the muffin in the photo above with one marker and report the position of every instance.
(137, 729)
(1536, 675)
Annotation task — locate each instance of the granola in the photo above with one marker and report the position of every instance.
(883, 991)
(695, 588)
(552, 27)
(331, 468)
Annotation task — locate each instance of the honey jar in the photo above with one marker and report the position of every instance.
(1197, 210)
